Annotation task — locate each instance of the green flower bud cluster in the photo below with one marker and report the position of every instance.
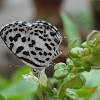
(93, 48)
(83, 59)
(61, 71)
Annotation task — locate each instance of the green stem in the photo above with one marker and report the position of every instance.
(75, 69)
(62, 90)
(39, 92)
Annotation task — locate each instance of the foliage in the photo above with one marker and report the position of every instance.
(74, 79)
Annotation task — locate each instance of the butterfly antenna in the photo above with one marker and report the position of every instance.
(18, 66)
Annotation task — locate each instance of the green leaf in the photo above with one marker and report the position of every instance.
(19, 89)
(2, 97)
(86, 93)
(77, 82)
(93, 79)
(70, 29)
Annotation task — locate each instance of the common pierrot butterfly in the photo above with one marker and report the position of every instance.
(36, 44)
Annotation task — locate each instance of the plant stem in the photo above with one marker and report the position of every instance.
(75, 69)
(62, 90)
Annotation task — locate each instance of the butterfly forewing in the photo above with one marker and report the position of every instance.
(35, 44)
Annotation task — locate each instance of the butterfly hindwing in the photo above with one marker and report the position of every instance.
(45, 47)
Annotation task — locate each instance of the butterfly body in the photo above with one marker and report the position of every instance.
(36, 44)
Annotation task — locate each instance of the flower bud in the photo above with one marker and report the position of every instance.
(60, 74)
(92, 43)
(77, 63)
(70, 63)
(60, 66)
(76, 52)
(86, 52)
(87, 66)
(81, 70)
(84, 45)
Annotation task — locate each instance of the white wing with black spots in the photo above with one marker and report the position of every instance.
(35, 44)
(14, 36)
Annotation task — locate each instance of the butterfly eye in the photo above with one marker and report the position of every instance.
(52, 33)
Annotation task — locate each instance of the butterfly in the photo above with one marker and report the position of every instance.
(36, 44)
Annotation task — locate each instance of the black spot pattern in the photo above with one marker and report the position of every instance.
(31, 33)
(19, 49)
(50, 54)
(10, 30)
(18, 35)
(52, 33)
(15, 38)
(20, 25)
(30, 62)
(44, 39)
(45, 53)
(41, 27)
(52, 44)
(36, 34)
(38, 49)
(40, 31)
(45, 35)
(5, 39)
(54, 49)
(40, 37)
(15, 29)
(33, 42)
(26, 53)
(24, 39)
(49, 39)
(35, 26)
(36, 30)
(28, 38)
(7, 33)
(48, 46)
(21, 30)
(32, 52)
(30, 45)
(11, 38)
(11, 46)
(57, 41)
(47, 59)
(40, 53)
(41, 61)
